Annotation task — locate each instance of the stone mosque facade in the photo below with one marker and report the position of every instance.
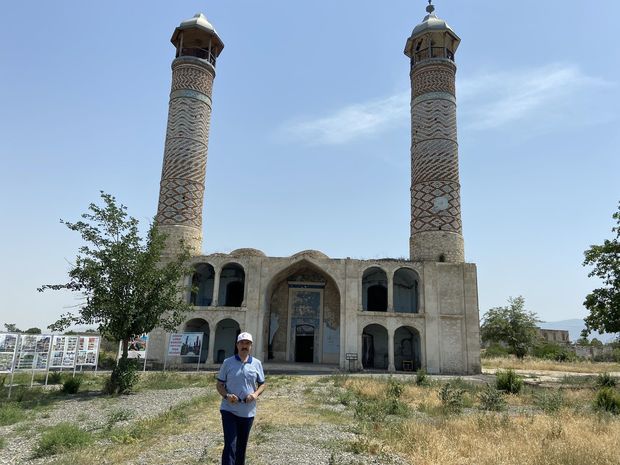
(390, 315)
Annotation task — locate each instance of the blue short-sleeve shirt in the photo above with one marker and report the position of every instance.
(241, 379)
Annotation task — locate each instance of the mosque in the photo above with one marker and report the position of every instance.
(389, 314)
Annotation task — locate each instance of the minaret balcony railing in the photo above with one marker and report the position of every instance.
(433, 52)
(202, 53)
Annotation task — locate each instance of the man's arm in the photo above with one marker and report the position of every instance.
(252, 397)
(221, 389)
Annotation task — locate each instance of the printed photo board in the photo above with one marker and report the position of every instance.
(8, 346)
(64, 351)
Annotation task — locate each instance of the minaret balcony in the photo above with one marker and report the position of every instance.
(434, 52)
(202, 53)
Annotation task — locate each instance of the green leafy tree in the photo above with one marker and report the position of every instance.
(11, 328)
(34, 330)
(511, 325)
(127, 288)
(604, 303)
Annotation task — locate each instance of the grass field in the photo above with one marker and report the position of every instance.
(338, 419)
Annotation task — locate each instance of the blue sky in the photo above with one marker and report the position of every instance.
(310, 138)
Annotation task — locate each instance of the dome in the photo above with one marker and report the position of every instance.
(247, 253)
(431, 23)
(316, 254)
(196, 26)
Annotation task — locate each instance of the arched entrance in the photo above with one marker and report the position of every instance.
(198, 325)
(203, 281)
(407, 355)
(405, 291)
(232, 285)
(303, 318)
(226, 333)
(374, 290)
(375, 347)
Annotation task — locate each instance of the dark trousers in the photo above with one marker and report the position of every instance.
(236, 434)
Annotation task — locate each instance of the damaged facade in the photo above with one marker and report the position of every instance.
(394, 315)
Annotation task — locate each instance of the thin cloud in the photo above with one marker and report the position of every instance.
(548, 96)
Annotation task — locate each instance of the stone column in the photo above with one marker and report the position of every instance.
(216, 288)
(210, 357)
(391, 367)
(390, 292)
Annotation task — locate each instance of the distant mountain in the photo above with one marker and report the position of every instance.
(574, 327)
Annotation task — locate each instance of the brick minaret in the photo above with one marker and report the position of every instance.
(436, 230)
(181, 195)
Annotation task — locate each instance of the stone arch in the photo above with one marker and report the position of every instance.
(407, 349)
(303, 308)
(203, 281)
(374, 290)
(198, 325)
(375, 350)
(232, 285)
(226, 332)
(406, 291)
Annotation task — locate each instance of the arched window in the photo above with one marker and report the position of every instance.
(226, 333)
(375, 347)
(232, 285)
(374, 290)
(203, 281)
(406, 291)
(407, 349)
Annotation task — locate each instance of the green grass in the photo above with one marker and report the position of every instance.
(61, 438)
(10, 414)
(2, 443)
(168, 380)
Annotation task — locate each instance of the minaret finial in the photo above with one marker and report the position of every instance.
(430, 8)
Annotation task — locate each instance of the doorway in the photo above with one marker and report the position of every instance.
(304, 343)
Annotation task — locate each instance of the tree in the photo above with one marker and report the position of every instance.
(127, 288)
(11, 328)
(511, 325)
(604, 303)
(33, 331)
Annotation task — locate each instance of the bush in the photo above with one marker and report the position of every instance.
(607, 400)
(451, 398)
(124, 377)
(508, 381)
(491, 399)
(394, 388)
(550, 401)
(107, 360)
(605, 380)
(552, 351)
(421, 378)
(60, 438)
(72, 385)
(495, 350)
(55, 377)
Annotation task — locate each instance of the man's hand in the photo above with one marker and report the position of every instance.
(251, 398)
(233, 399)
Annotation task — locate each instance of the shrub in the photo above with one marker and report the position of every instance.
(495, 350)
(549, 401)
(508, 381)
(2, 443)
(605, 380)
(60, 438)
(491, 399)
(124, 377)
(394, 388)
(451, 398)
(552, 351)
(72, 385)
(421, 377)
(55, 377)
(607, 400)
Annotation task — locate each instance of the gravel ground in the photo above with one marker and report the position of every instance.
(269, 445)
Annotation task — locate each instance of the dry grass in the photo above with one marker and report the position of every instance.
(566, 439)
(536, 364)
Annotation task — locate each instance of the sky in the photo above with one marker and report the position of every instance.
(310, 134)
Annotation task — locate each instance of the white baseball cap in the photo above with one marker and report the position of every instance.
(245, 337)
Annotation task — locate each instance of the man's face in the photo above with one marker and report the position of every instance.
(244, 347)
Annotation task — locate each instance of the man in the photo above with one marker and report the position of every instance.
(240, 381)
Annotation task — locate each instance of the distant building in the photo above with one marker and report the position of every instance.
(557, 336)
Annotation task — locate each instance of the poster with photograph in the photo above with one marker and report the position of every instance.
(185, 344)
(33, 351)
(137, 346)
(88, 350)
(64, 351)
(8, 344)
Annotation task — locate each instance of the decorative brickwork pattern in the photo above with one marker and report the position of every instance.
(433, 78)
(435, 188)
(435, 160)
(192, 77)
(182, 186)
